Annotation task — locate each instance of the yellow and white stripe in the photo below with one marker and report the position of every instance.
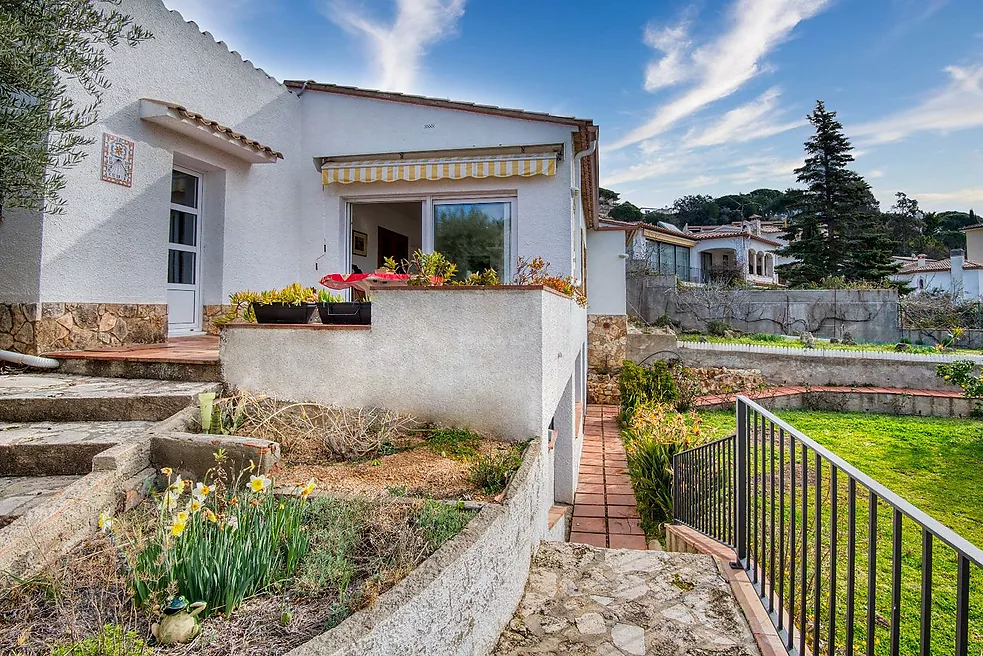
(441, 168)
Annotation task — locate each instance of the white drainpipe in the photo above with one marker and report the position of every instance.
(575, 192)
(29, 360)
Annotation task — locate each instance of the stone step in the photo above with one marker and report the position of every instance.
(19, 494)
(61, 448)
(67, 398)
(198, 372)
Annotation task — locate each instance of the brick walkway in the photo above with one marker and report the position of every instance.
(604, 512)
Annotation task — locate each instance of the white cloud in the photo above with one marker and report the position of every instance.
(874, 173)
(948, 199)
(724, 64)
(956, 106)
(672, 68)
(757, 119)
(398, 48)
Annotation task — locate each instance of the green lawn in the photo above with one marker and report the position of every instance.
(937, 465)
(792, 342)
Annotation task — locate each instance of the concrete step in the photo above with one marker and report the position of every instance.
(68, 398)
(19, 494)
(198, 372)
(61, 448)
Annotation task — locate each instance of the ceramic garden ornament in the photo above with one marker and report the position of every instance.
(180, 623)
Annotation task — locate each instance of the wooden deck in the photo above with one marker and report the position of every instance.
(196, 349)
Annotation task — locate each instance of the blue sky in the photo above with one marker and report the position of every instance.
(702, 96)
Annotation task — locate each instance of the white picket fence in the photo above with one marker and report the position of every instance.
(820, 352)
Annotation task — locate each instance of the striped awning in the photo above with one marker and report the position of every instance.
(439, 168)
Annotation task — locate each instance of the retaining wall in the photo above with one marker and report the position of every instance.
(860, 400)
(460, 599)
(868, 315)
(790, 368)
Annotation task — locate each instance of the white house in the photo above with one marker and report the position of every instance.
(955, 275)
(207, 176)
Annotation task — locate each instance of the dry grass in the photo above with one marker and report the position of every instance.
(313, 432)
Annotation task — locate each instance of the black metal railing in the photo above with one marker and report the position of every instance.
(842, 564)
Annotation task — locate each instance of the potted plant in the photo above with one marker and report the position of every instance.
(291, 305)
(335, 310)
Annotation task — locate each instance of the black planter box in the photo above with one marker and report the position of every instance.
(282, 313)
(350, 314)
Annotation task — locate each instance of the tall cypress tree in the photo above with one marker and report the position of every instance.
(835, 227)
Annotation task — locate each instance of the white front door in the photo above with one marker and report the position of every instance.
(183, 254)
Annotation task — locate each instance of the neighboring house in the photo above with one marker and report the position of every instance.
(209, 177)
(699, 254)
(956, 275)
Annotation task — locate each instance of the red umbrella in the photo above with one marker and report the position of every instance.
(362, 281)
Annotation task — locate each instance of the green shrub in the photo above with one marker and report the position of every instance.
(654, 434)
(112, 640)
(717, 328)
(639, 384)
(454, 442)
(492, 473)
(335, 528)
(766, 337)
(963, 373)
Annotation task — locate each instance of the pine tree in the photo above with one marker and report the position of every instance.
(835, 227)
(44, 46)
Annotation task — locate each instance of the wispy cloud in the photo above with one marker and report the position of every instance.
(757, 119)
(397, 49)
(722, 65)
(956, 106)
(946, 199)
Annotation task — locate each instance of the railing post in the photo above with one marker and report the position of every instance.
(740, 514)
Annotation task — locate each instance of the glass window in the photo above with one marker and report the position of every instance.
(180, 267)
(474, 236)
(667, 259)
(682, 262)
(183, 228)
(184, 189)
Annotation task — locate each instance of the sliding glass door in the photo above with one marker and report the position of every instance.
(475, 235)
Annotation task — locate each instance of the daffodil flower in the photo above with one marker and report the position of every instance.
(201, 491)
(307, 489)
(182, 517)
(210, 516)
(105, 522)
(254, 502)
(168, 501)
(259, 483)
(177, 528)
(166, 471)
(176, 487)
(194, 506)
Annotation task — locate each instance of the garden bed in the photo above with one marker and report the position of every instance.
(764, 339)
(359, 548)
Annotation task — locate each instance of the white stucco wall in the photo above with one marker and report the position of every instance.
(971, 286)
(20, 256)
(606, 284)
(111, 244)
(497, 361)
(336, 125)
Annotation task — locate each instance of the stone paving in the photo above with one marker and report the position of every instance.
(18, 494)
(44, 433)
(581, 600)
(46, 386)
(604, 512)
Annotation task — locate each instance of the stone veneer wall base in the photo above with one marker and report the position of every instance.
(46, 327)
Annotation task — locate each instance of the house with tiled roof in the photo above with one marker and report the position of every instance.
(207, 176)
(955, 274)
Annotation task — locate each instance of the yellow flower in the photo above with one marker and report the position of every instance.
(168, 501)
(210, 516)
(182, 517)
(234, 502)
(105, 522)
(166, 471)
(259, 483)
(177, 528)
(307, 489)
(176, 487)
(194, 506)
(201, 491)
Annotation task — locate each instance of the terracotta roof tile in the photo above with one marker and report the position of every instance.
(937, 265)
(227, 131)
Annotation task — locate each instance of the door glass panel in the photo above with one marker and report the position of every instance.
(180, 267)
(474, 236)
(183, 229)
(184, 189)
